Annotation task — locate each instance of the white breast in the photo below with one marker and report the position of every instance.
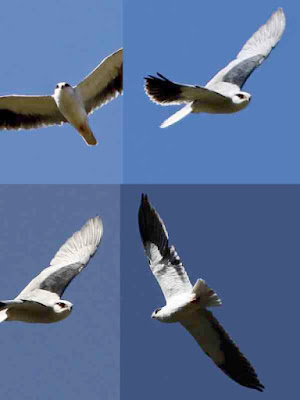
(70, 105)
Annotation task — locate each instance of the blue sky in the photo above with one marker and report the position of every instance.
(78, 357)
(49, 42)
(189, 42)
(244, 241)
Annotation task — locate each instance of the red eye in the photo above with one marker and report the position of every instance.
(61, 305)
(241, 96)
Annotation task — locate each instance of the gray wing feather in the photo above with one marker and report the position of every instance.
(217, 344)
(69, 261)
(104, 83)
(58, 281)
(241, 72)
(164, 262)
(253, 53)
(28, 112)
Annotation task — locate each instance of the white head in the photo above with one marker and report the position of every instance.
(157, 314)
(241, 99)
(63, 308)
(62, 86)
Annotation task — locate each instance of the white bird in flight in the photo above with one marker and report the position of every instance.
(41, 301)
(222, 94)
(187, 304)
(68, 103)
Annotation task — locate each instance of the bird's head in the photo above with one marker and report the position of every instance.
(62, 86)
(63, 307)
(241, 99)
(156, 314)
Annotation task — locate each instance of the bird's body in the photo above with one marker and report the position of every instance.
(176, 310)
(67, 104)
(222, 94)
(40, 301)
(187, 304)
(70, 104)
(34, 312)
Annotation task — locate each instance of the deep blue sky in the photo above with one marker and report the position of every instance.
(244, 241)
(189, 42)
(78, 357)
(43, 43)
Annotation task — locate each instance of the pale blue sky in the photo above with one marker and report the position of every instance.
(244, 242)
(189, 42)
(43, 43)
(77, 358)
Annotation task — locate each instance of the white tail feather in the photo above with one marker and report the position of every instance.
(207, 296)
(3, 315)
(87, 134)
(177, 116)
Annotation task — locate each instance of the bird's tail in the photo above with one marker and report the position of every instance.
(177, 116)
(87, 134)
(3, 312)
(207, 296)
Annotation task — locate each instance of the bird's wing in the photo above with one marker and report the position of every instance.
(40, 296)
(165, 92)
(217, 344)
(9, 303)
(163, 260)
(68, 262)
(28, 112)
(253, 53)
(104, 83)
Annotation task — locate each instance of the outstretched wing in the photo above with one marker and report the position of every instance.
(68, 262)
(104, 83)
(165, 92)
(253, 53)
(217, 344)
(164, 262)
(28, 112)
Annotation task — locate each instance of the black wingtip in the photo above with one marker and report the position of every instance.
(150, 77)
(161, 90)
(260, 388)
(159, 77)
(162, 77)
(144, 202)
(235, 364)
(151, 226)
(143, 216)
(144, 198)
(246, 375)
